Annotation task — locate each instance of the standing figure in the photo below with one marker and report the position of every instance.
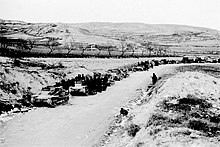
(27, 98)
(154, 78)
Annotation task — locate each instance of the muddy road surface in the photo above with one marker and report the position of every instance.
(82, 122)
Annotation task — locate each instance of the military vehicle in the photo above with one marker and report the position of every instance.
(79, 89)
(50, 97)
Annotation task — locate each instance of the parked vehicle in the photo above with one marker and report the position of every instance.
(186, 59)
(79, 89)
(199, 60)
(138, 68)
(50, 97)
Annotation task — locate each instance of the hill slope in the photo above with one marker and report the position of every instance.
(182, 110)
(177, 36)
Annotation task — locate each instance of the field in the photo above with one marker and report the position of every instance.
(69, 40)
(97, 63)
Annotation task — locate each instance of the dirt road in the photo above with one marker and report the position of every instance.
(80, 123)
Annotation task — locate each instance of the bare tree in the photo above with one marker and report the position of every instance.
(161, 49)
(150, 48)
(166, 49)
(4, 42)
(133, 47)
(156, 49)
(110, 47)
(145, 47)
(52, 44)
(67, 46)
(31, 44)
(100, 48)
(81, 46)
(70, 46)
(123, 47)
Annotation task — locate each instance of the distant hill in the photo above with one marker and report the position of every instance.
(179, 38)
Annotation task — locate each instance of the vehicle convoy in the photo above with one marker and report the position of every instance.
(88, 84)
(50, 97)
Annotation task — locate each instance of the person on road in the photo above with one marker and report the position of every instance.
(154, 78)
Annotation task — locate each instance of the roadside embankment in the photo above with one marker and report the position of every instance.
(17, 75)
(182, 109)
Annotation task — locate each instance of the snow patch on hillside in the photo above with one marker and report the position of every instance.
(183, 111)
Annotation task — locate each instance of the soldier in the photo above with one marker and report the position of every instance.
(86, 82)
(72, 82)
(156, 62)
(152, 64)
(16, 88)
(64, 84)
(104, 82)
(78, 78)
(154, 78)
(83, 79)
(29, 93)
(145, 66)
(91, 85)
(27, 97)
(99, 83)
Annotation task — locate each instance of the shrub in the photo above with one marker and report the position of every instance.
(192, 100)
(157, 119)
(210, 129)
(133, 129)
(17, 62)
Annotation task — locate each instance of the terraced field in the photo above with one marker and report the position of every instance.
(105, 39)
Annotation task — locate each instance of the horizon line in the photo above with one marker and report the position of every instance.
(125, 22)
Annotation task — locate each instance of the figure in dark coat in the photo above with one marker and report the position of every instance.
(123, 112)
(154, 78)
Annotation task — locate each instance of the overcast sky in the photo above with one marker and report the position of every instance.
(205, 13)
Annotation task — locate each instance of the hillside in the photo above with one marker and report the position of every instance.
(181, 110)
(176, 37)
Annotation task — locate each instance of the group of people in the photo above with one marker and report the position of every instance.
(94, 83)
(146, 64)
(99, 82)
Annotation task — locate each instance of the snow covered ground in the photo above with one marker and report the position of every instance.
(182, 110)
(85, 120)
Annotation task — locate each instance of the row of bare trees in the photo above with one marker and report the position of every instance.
(144, 48)
(124, 47)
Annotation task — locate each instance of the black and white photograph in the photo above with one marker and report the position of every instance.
(109, 73)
